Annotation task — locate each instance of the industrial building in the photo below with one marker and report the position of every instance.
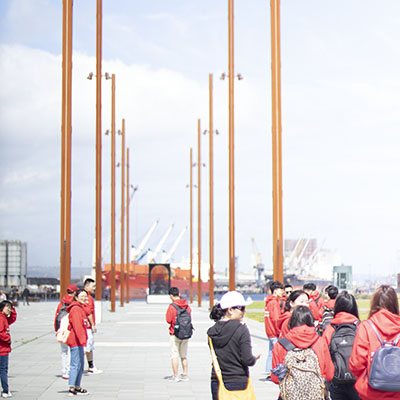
(13, 261)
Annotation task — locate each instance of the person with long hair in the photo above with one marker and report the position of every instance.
(78, 324)
(345, 312)
(302, 335)
(232, 344)
(384, 316)
(296, 298)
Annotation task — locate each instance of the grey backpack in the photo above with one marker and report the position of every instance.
(384, 373)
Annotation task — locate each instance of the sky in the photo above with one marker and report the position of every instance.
(340, 119)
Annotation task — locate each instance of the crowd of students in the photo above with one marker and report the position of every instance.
(326, 336)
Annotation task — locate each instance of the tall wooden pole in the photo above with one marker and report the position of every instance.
(98, 293)
(122, 267)
(127, 226)
(199, 214)
(232, 283)
(211, 161)
(113, 193)
(65, 212)
(276, 141)
(191, 226)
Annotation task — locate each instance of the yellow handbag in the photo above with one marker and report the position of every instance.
(223, 393)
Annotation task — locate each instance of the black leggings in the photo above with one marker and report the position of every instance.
(228, 385)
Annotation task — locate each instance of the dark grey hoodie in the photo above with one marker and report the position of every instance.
(232, 344)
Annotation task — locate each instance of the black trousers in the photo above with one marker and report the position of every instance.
(228, 385)
(343, 392)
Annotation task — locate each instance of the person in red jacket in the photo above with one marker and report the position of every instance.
(296, 298)
(8, 316)
(316, 301)
(65, 356)
(345, 312)
(302, 334)
(78, 324)
(272, 314)
(384, 314)
(178, 346)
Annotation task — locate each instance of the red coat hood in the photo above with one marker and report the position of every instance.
(387, 323)
(285, 316)
(73, 304)
(271, 298)
(302, 336)
(67, 299)
(330, 303)
(181, 303)
(343, 318)
(314, 296)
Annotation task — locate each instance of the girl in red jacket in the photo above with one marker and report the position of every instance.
(303, 335)
(8, 315)
(296, 298)
(384, 315)
(78, 323)
(345, 312)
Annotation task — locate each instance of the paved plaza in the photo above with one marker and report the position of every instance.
(132, 348)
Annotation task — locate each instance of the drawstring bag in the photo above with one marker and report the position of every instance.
(225, 394)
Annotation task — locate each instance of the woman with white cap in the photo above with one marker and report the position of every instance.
(231, 341)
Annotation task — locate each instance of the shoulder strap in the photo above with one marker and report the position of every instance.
(287, 344)
(215, 362)
(176, 306)
(376, 330)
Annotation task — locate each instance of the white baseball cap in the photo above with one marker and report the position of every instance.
(233, 299)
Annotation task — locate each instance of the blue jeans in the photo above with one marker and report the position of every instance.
(272, 341)
(76, 366)
(4, 372)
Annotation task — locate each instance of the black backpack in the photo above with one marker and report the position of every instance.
(384, 373)
(183, 328)
(340, 349)
(61, 313)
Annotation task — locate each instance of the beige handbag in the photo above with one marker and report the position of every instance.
(223, 393)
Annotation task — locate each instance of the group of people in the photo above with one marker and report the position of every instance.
(78, 304)
(298, 320)
(318, 347)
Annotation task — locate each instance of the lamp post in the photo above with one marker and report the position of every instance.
(65, 211)
(191, 227)
(127, 226)
(98, 294)
(199, 294)
(211, 172)
(122, 267)
(276, 141)
(112, 291)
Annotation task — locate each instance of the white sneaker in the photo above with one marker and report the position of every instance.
(183, 378)
(94, 370)
(6, 395)
(65, 376)
(174, 378)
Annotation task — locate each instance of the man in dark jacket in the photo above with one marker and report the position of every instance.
(178, 346)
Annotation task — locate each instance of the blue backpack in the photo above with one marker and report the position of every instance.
(384, 373)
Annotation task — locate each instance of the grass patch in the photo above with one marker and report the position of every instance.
(257, 316)
(257, 304)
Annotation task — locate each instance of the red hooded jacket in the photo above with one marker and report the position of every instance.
(5, 337)
(365, 344)
(67, 299)
(327, 303)
(272, 314)
(78, 323)
(89, 308)
(172, 312)
(303, 337)
(283, 323)
(316, 303)
(340, 318)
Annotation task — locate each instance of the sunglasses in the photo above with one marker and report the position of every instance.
(288, 291)
(241, 308)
